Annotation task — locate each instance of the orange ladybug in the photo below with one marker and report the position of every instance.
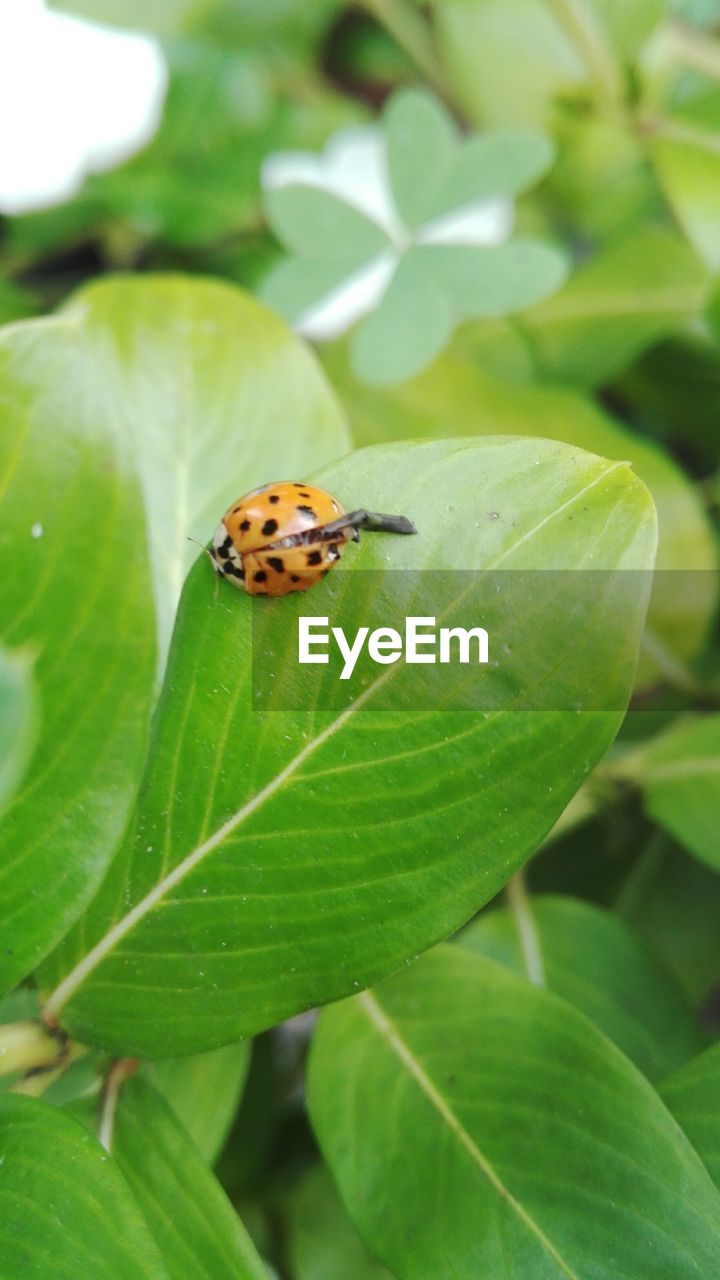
(285, 537)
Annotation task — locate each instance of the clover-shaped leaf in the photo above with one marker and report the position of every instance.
(408, 225)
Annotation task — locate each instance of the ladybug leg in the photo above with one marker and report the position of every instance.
(370, 520)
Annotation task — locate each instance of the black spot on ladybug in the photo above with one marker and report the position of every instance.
(245, 525)
(232, 571)
(304, 495)
(307, 511)
(269, 527)
(274, 497)
(236, 509)
(314, 557)
(276, 563)
(224, 548)
(297, 485)
(260, 576)
(294, 577)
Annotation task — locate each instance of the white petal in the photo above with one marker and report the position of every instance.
(80, 98)
(485, 222)
(352, 299)
(353, 166)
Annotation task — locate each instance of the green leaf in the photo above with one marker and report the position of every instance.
(492, 280)
(433, 287)
(318, 224)
(249, 899)
(199, 1234)
(294, 285)
(409, 327)
(565, 50)
(686, 154)
(673, 902)
(641, 287)
(18, 719)
(203, 1091)
(506, 162)
(693, 1096)
(630, 25)
(75, 589)
(456, 396)
(203, 381)
(65, 1210)
(679, 773)
(321, 1241)
(421, 145)
(591, 959)
(499, 79)
(191, 386)
(516, 1139)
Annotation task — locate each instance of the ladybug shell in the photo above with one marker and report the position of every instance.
(248, 544)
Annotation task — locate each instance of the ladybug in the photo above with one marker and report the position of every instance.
(285, 537)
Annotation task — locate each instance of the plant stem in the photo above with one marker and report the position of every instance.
(680, 131)
(676, 672)
(590, 43)
(408, 27)
(692, 48)
(518, 901)
(29, 1044)
(119, 1072)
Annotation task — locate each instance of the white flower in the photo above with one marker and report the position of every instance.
(354, 167)
(75, 99)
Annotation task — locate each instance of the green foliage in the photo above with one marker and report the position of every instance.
(679, 773)
(593, 961)
(66, 1208)
(18, 720)
(198, 1234)
(204, 1091)
(552, 1146)
(226, 870)
(498, 220)
(692, 1094)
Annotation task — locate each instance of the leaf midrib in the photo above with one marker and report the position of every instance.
(404, 1053)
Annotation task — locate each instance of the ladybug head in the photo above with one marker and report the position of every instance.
(227, 560)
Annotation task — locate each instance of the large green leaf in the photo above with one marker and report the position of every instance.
(679, 773)
(211, 389)
(75, 589)
(693, 1096)
(283, 859)
(197, 390)
(18, 719)
(199, 1234)
(65, 1210)
(516, 1139)
(591, 959)
(458, 397)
